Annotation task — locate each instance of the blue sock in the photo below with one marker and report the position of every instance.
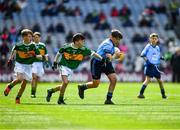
(142, 89)
(109, 96)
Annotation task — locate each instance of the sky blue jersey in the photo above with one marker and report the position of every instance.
(105, 47)
(152, 53)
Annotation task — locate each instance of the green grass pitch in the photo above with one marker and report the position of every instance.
(90, 113)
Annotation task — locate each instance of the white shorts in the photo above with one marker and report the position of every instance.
(63, 70)
(37, 68)
(24, 69)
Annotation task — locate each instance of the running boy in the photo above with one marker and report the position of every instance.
(24, 53)
(72, 56)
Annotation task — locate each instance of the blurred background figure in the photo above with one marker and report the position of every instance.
(175, 64)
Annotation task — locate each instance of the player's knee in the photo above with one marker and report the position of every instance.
(65, 83)
(35, 78)
(159, 81)
(113, 80)
(95, 84)
(20, 78)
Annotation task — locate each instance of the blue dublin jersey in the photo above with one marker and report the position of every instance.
(152, 53)
(105, 47)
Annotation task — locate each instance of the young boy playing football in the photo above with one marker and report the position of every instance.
(37, 66)
(24, 53)
(72, 56)
(106, 49)
(152, 56)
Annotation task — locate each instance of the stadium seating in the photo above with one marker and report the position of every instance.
(31, 15)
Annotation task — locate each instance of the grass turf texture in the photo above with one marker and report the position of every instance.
(90, 113)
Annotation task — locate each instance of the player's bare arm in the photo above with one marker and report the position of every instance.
(96, 55)
(109, 56)
(57, 57)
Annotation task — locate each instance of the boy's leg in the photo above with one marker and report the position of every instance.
(21, 90)
(63, 89)
(34, 85)
(10, 86)
(51, 91)
(145, 83)
(161, 88)
(96, 75)
(83, 87)
(113, 80)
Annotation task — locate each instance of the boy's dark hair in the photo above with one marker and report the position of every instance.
(77, 37)
(116, 33)
(25, 32)
(37, 33)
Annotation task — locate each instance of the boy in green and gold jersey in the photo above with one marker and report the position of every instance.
(72, 55)
(37, 66)
(24, 54)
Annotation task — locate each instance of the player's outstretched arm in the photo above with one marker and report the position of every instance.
(55, 64)
(97, 56)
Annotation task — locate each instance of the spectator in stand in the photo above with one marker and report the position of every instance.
(51, 28)
(125, 12)
(77, 11)
(70, 12)
(146, 19)
(102, 15)
(87, 35)
(95, 17)
(138, 38)
(60, 28)
(8, 7)
(36, 28)
(127, 23)
(50, 10)
(173, 7)
(161, 8)
(69, 36)
(61, 7)
(103, 1)
(13, 34)
(92, 17)
(175, 63)
(4, 49)
(5, 37)
(48, 40)
(102, 25)
(114, 12)
(49, 2)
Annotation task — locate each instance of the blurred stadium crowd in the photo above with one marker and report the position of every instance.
(58, 20)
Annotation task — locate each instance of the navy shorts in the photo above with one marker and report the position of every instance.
(98, 67)
(151, 71)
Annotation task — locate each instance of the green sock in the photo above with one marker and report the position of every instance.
(61, 98)
(84, 86)
(18, 97)
(53, 90)
(10, 85)
(33, 92)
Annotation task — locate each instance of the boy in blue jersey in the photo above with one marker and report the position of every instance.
(152, 56)
(106, 50)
